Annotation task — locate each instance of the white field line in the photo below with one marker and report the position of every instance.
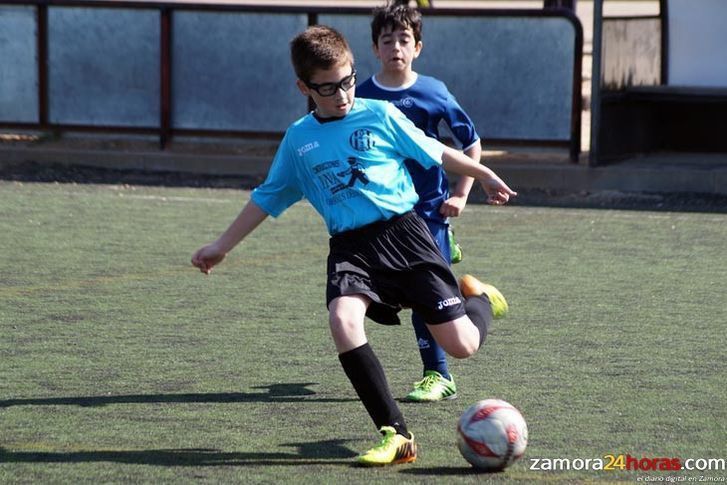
(162, 198)
(174, 198)
(585, 213)
(499, 211)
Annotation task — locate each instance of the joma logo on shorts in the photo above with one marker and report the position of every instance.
(448, 302)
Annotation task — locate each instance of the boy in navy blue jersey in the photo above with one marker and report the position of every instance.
(396, 32)
(347, 159)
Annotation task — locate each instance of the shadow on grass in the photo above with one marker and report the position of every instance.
(443, 471)
(328, 452)
(294, 392)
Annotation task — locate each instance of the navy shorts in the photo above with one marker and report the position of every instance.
(396, 264)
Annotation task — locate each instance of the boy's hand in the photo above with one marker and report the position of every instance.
(207, 257)
(453, 206)
(498, 193)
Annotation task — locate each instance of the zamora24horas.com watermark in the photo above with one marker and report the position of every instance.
(627, 462)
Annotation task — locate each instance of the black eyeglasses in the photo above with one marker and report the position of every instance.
(329, 89)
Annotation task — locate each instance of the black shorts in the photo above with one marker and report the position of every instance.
(396, 264)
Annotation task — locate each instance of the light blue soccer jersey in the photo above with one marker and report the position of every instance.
(427, 102)
(350, 169)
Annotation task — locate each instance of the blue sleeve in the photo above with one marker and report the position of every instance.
(280, 189)
(459, 123)
(411, 141)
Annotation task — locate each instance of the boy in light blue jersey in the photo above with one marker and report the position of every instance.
(317, 159)
(396, 32)
(347, 158)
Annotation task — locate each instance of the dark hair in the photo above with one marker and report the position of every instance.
(395, 16)
(318, 48)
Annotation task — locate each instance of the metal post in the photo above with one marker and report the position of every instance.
(596, 81)
(165, 77)
(42, 40)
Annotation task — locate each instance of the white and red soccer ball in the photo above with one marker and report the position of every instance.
(492, 434)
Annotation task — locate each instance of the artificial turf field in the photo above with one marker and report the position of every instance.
(119, 362)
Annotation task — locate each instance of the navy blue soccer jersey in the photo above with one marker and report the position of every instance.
(350, 169)
(427, 102)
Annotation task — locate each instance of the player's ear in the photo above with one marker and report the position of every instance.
(305, 90)
(418, 48)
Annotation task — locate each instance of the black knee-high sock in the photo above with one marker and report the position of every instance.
(479, 310)
(367, 376)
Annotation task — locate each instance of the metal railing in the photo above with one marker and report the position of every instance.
(169, 69)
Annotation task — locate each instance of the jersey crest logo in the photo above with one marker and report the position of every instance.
(406, 102)
(362, 140)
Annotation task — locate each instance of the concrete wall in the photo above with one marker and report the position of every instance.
(697, 41)
(631, 53)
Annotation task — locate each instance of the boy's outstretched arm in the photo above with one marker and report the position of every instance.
(454, 205)
(497, 191)
(209, 255)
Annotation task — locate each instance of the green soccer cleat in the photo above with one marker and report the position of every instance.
(455, 250)
(393, 449)
(434, 387)
(471, 286)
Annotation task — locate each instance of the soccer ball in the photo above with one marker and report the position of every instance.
(492, 434)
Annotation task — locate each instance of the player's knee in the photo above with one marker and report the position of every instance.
(462, 350)
(459, 338)
(460, 347)
(341, 323)
(347, 333)
(346, 314)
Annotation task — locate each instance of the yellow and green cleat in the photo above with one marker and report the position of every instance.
(393, 449)
(471, 286)
(434, 387)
